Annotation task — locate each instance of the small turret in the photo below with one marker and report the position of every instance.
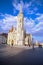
(11, 30)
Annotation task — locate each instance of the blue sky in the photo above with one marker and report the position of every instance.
(33, 16)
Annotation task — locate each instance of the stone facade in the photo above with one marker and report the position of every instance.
(11, 36)
(28, 39)
(16, 35)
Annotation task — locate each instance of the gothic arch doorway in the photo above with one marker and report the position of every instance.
(12, 42)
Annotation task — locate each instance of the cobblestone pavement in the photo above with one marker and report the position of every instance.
(20, 55)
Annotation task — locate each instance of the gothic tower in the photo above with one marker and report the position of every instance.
(20, 28)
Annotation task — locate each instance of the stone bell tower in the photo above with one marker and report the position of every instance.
(20, 28)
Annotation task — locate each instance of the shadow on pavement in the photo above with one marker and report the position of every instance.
(3, 46)
(26, 57)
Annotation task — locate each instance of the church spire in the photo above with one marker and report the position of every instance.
(20, 8)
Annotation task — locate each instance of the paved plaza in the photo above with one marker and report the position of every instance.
(20, 55)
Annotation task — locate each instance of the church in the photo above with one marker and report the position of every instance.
(17, 36)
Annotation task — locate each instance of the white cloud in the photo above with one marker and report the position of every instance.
(29, 24)
(38, 26)
(27, 7)
(17, 5)
(38, 14)
(8, 21)
(40, 18)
